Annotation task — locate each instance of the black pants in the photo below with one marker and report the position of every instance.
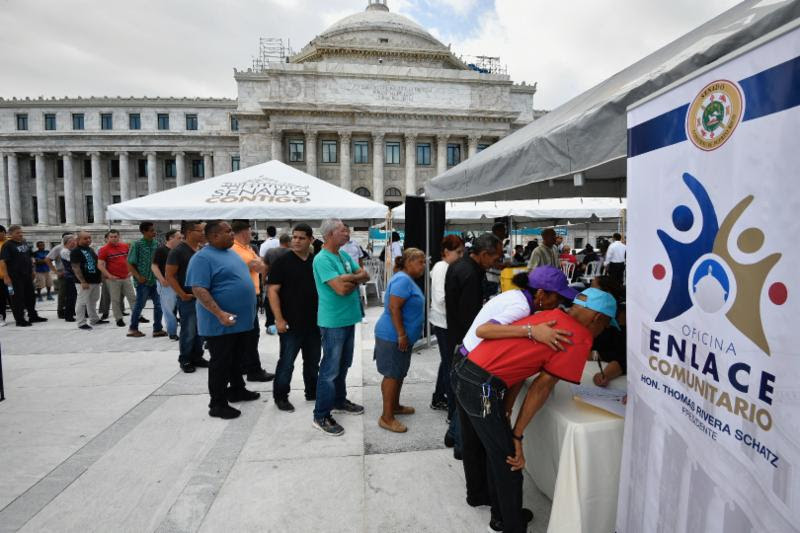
(487, 441)
(24, 298)
(223, 367)
(3, 299)
(70, 297)
(291, 343)
(251, 361)
(616, 272)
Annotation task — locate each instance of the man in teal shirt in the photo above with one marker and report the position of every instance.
(337, 277)
(140, 257)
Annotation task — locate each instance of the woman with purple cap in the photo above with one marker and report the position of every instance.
(540, 290)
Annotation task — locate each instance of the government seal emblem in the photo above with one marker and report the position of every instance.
(714, 114)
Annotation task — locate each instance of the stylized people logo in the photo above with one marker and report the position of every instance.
(714, 114)
(705, 274)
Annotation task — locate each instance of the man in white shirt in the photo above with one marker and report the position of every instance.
(271, 242)
(615, 259)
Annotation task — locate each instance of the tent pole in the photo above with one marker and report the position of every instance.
(427, 272)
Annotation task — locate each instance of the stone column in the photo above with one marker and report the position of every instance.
(98, 209)
(277, 144)
(441, 154)
(69, 188)
(411, 164)
(180, 168)
(14, 190)
(208, 165)
(222, 163)
(472, 145)
(377, 166)
(4, 214)
(311, 152)
(152, 173)
(124, 176)
(41, 189)
(345, 170)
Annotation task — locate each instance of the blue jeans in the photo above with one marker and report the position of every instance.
(143, 293)
(291, 343)
(190, 343)
(168, 299)
(337, 356)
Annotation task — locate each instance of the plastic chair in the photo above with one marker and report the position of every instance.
(568, 269)
(593, 269)
(374, 268)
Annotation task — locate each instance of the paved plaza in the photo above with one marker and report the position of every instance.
(101, 432)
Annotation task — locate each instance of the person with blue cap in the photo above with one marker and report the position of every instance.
(542, 289)
(485, 379)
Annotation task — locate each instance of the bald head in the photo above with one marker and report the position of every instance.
(84, 238)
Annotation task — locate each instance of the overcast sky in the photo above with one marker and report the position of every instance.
(190, 47)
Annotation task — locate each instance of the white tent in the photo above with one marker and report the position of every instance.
(269, 191)
(521, 210)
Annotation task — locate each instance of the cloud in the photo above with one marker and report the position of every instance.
(189, 47)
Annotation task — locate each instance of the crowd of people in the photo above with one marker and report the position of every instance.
(207, 282)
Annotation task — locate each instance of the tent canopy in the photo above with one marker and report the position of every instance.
(269, 191)
(550, 209)
(588, 134)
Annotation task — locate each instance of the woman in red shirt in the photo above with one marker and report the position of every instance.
(487, 380)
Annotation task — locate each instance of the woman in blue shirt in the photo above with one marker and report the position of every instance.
(398, 328)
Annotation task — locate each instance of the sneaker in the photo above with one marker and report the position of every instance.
(328, 426)
(260, 375)
(86, 327)
(226, 412)
(439, 405)
(161, 333)
(242, 395)
(171, 337)
(143, 320)
(135, 333)
(349, 408)
(188, 368)
(37, 319)
(101, 321)
(284, 405)
(496, 524)
(121, 323)
(200, 363)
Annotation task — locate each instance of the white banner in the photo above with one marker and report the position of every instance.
(712, 433)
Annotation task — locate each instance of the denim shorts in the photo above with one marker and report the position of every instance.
(392, 363)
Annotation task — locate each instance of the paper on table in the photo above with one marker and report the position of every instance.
(606, 399)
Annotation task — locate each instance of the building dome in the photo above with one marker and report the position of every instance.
(378, 35)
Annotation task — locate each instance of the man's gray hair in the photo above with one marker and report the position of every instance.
(66, 238)
(488, 242)
(328, 226)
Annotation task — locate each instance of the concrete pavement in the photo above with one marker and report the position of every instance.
(100, 432)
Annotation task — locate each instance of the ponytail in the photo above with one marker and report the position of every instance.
(521, 280)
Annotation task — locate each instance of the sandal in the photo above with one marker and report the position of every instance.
(404, 410)
(396, 426)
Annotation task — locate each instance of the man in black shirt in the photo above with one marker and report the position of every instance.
(190, 344)
(293, 299)
(463, 299)
(165, 293)
(16, 258)
(87, 273)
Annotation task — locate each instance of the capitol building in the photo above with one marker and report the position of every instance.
(374, 104)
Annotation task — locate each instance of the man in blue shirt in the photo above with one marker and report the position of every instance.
(337, 277)
(226, 303)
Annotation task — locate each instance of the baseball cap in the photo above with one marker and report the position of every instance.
(549, 278)
(599, 301)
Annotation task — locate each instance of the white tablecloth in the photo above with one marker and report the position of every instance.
(573, 452)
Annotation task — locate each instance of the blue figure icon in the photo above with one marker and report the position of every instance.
(683, 255)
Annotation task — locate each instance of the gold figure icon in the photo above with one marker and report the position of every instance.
(745, 313)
